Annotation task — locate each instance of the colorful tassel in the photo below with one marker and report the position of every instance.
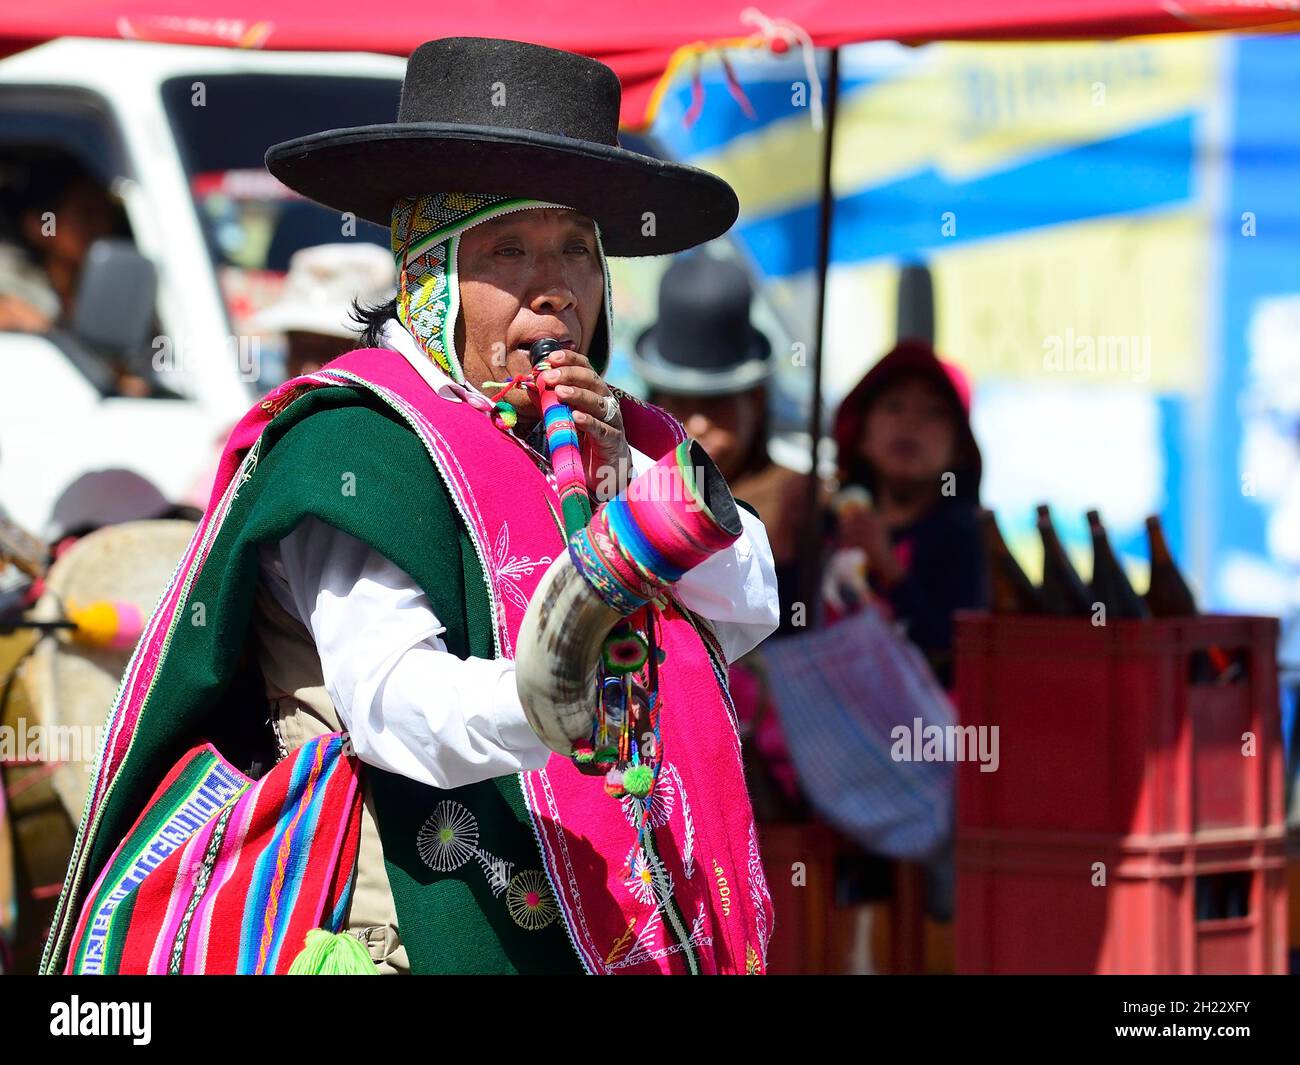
(115, 625)
(639, 781)
(332, 954)
(624, 653)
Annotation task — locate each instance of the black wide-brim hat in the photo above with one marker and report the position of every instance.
(703, 343)
(483, 115)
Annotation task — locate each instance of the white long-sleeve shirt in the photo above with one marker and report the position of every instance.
(409, 704)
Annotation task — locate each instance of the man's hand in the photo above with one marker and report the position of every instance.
(607, 457)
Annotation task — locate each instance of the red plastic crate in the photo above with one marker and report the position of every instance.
(1108, 752)
(1027, 905)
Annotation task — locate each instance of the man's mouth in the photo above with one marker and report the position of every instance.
(526, 345)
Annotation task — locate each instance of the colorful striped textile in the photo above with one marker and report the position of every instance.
(566, 458)
(643, 540)
(223, 874)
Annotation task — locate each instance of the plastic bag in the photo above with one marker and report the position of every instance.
(860, 709)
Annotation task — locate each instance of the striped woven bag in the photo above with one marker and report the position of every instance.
(224, 874)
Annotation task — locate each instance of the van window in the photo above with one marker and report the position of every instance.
(60, 167)
(223, 124)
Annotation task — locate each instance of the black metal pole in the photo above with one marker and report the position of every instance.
(812, 526)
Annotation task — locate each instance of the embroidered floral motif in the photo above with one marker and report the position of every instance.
(660, 802)
(642, 882)
(752, 966)
(688, 848)
(508, 570)
(641, 952)
(449, 838)
(622, 943)
(759, 895)
(529, 901)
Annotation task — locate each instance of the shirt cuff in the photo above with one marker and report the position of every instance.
(514, 733)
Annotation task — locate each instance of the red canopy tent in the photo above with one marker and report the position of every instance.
(640, 44)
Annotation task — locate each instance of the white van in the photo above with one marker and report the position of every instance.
(155, 362)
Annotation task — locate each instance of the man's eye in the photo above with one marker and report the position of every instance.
(583, 248)
(510, 250)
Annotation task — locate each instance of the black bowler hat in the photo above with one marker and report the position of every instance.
(483, 115)
(703, 343)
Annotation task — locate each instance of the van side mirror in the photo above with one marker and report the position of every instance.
(115, 300)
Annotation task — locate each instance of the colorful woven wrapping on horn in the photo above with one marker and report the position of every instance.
(566, 458)
(222, 874)
(645, 538)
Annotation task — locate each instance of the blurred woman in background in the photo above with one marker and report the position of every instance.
(706, 364)
(909, 471)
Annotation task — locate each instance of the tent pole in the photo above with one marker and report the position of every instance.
(812, 525)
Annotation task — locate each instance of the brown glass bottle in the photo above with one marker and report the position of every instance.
(1110, 585)
(1062, 591)
(1168, 595)
(1011, 591)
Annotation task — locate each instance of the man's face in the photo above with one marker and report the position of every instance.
(523, 276)
(724, 425)
(82, 216)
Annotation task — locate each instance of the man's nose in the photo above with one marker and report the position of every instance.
(552, 291)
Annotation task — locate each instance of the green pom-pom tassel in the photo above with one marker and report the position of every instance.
(332, 954)
(639, 780)
(624, 653)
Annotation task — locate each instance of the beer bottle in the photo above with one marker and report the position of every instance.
(1110, 585)
(1167, 595)
(1012, 591)
(1062, 591)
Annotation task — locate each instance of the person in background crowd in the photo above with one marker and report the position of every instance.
(57, 210)
(904, 436)
(109, 497)
(706, 364)
(904, 441)
(314, 311)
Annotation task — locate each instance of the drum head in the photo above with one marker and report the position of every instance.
(72, 687)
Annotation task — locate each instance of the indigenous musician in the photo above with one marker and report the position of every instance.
(500, 737)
